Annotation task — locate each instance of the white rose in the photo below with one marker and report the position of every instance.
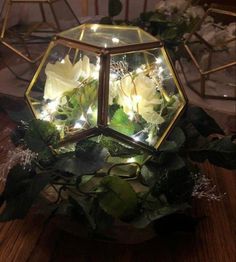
(139, 95)
(64, 76)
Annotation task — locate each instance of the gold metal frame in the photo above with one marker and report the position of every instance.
(205, 74)
(6, 8)
(103, 89)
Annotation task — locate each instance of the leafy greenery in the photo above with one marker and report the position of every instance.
(95, 197)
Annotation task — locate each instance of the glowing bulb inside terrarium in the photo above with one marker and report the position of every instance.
(136, 138)
(90, 111)
(115, 40)
(160, 70)
(44, 115)
(82, 118)
(131, 160)
(158, 60)
(94, 27)
(52, 106)
(137, 99)
(131, 115)
(139, 70)
(77, 125)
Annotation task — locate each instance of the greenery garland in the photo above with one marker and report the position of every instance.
(96, 196)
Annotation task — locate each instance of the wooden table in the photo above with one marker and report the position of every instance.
(214, 240)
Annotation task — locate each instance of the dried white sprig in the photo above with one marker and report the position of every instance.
(18, 155)
(205, 189)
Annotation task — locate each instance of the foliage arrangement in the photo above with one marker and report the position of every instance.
(169, 22)
(93, 192)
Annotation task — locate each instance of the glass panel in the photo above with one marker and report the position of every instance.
(108, 36)
(65, 91)
(144, 97)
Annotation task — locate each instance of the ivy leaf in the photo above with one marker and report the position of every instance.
(88, 157)
(114, 7)
(41, 134)
(117, 149)
(20, 192)
(149, 216)
(121, 123)
(203, 122)
(220, 152)
(177, 186)
(118, 198)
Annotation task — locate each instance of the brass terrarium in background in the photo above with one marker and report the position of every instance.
(42, 19)
(107, 80)
(210, 67)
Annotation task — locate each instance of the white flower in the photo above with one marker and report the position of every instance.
(138, 95)
(171, 6)
(195, 11)
(64, 76)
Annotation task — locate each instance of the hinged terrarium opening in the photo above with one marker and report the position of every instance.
(107, 80)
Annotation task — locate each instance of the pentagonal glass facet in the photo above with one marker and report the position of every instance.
(104, 36)
(65, 91)
(146, 96)
(111, 80)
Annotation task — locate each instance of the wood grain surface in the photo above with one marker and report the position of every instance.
(34, 240)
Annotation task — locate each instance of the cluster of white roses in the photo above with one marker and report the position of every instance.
(137, 95)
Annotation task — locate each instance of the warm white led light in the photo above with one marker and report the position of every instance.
(94, 27)
(158, 60)
(115, 40)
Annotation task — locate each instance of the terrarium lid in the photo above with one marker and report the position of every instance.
(107, 36)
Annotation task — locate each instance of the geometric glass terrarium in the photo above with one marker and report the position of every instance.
(210, 67)
(116, 81)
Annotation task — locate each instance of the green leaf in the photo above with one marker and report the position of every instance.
(21, 190)
(88, 158)
(203, 122)
(177, 186)
(148, 216)
(114, 7)
(39, 136)
(118, 198)
(121, 123)
(117, 149)
(220, 152)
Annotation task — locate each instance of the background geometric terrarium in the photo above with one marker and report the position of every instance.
(24, 37)
(107, 80)
(210, 67)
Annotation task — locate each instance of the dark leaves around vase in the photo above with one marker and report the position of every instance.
(220, 152)
(89, 157)
(21, 190)
(88, 212)
(175, 185)
(204, 124)
(199, 128)
(18, 134)
(117, 198)
(117, 149)
(39, 136)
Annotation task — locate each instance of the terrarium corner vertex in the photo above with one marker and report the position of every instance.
(107, 80)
